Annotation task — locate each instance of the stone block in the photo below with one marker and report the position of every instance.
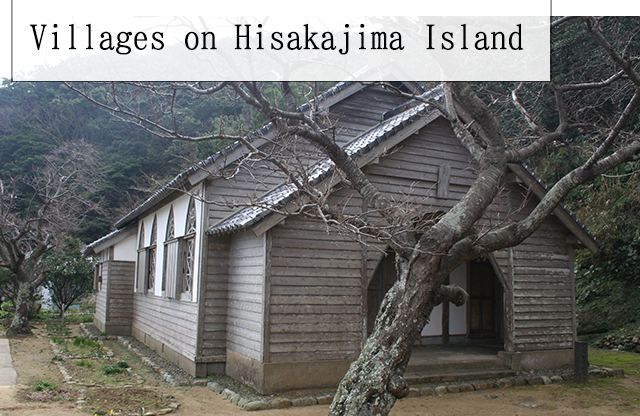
(453, 389)
(304, 401)
(427, 391)
(281, 403)
(324, 399)
(466, 388)
(535, 381)
(519, 381)
(556, 379)
(483, 385)
(503, 383)
(256, 405)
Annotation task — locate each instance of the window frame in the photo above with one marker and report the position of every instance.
(187, 255)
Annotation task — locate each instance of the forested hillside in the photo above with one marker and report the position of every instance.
(36, 118)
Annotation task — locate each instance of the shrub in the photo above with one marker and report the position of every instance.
(84, 343)
(118, 368)
(83, 363)
(44, 385)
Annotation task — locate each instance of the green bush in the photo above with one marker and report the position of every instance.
(44, 385)
(109, 370)
(85, 343)
(6, 310)
(118, 368)
(608, 287)
(83, 363)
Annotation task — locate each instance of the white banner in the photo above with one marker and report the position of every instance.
(115, 47)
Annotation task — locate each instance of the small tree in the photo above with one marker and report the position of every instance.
(69, 276)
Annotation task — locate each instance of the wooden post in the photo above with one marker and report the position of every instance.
(581, 362)
(445, 319)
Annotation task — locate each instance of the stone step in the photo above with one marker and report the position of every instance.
(444, 366)
(416, 378)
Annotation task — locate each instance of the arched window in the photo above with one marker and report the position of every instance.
(151, 257)
(179, 256)
(171, 229)
(190, 227)
(188, 251)
(146, 267)
(141, 239)
(141, 269)
(170, 266)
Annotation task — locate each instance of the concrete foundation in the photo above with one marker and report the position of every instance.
(271, 378)
(112, 329)
(200, 368)
(537, 360)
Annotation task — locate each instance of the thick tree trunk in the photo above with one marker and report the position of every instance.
(20, 323)
(375, 380)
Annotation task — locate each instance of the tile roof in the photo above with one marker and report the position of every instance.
(181, 179)
(358, 147)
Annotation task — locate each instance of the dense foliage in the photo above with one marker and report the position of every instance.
(39, 117)
(69, 275)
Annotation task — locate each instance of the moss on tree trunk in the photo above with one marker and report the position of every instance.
(20, 322)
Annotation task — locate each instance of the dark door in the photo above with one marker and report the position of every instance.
(383, 278)
(484, 301)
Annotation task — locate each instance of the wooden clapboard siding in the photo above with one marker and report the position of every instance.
(101, 297)
(357, 114)
(245, 295)
(537, 273)
(409, 173)
(245, 186)
(315, 302)
(169, 321)
(214, 325)
(361, 111)
(543, 290)
(121, 278)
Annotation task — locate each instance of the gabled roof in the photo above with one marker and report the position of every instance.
(231, 153)
(367, 143)
(320, 171)
(401, 122)
(109, 240)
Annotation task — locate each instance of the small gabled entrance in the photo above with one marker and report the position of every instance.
(481, 319)
(459, 342)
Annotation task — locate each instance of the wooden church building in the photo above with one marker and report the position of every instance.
(217, 284)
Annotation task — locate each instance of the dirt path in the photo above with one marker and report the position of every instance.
(33, 361)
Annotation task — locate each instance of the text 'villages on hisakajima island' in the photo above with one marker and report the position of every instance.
(257, 37)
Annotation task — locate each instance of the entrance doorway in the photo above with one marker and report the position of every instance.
(485, 302)
(481, 319)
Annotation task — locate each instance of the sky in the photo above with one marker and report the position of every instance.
(21, 10)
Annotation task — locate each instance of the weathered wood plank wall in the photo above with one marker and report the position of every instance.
(120, 291)
(169, 321)
(214, 325)
(245, 303)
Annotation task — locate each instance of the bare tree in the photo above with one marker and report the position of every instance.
(424, 259)
(37, 211)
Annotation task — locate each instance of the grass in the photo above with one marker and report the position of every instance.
(628, 361)
(120, 367)
(44, 385)
(618, 393)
